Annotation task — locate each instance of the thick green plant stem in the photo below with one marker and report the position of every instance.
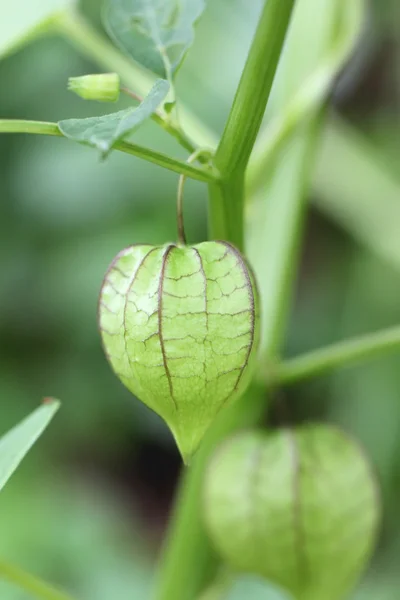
(254, 88)
(342, 354)
(189, 562)
(73, 26)
(35, 587)
(157, 158)
(245, 119)
(225, 212)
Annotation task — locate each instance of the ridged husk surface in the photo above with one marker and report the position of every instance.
(180, 327)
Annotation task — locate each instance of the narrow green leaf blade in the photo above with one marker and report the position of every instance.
(20, 21)
(18, 441)
(155, 33)
(105, 131)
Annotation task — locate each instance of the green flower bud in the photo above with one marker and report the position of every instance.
(298, 507)
(179, 326)
(104, 87)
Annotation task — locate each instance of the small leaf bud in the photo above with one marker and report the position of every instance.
(104, 87)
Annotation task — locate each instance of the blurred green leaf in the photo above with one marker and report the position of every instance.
(355, 188)
(103, 132)
(18, 441)
(365, 307)
(155, 33)
(275, 218)
(312, 91)
(20, 21)
(76, 531)
(29, 583)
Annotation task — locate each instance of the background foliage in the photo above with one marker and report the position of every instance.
(88, 508)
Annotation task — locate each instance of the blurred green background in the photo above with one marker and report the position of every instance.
(88, 508)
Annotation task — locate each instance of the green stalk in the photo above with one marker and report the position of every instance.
(245, 119)
(35, 127)
(189, 561)
(157, 158)
(254, 88)
(342, 354)
(225, 211)
(29, 583)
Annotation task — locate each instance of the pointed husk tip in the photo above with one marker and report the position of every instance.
(104, 87)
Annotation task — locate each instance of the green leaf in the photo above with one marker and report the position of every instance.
(103, 132)
(20, 21)
(16, 443)
(312, 92)
(315, 49)
(355, 188)
(180, 329)
(155, 33)
(32, 585)
(298, 507)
